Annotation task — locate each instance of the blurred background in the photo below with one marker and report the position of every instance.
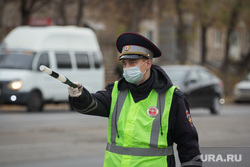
(214, 34)
(211, 33)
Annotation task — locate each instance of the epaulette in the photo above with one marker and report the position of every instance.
(178, 92)
(110, 84)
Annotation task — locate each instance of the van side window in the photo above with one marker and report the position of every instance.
(82, 60)
(63, 60)
(97, 61)
(43, 60)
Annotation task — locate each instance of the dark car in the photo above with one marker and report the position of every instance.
(199, 85)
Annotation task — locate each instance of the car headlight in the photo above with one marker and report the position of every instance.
(15, 85)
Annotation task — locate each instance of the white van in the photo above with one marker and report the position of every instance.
(71, 51)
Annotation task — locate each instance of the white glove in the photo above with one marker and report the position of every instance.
(75, 92)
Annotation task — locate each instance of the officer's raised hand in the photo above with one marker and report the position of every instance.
(75, 92)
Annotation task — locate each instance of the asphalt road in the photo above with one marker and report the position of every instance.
(61, 138)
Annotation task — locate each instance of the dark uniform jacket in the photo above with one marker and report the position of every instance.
(181, 128)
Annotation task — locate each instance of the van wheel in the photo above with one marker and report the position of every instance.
(215, 109)
(35, 102)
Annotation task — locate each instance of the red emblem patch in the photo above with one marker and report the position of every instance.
(152, 111)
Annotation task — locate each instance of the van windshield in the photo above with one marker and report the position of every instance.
(16, 60)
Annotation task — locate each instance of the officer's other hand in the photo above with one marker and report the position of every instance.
(75, 92)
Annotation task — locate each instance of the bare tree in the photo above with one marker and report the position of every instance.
(244, 64)
(205, 12)
(181, 37)
(62, 12)
(77, 18)
(129, 13)
(230, 26)
(80, 12)
(28, 7)
(2, 4)
(2, 29)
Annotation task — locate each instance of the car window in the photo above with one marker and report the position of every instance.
(43, 60)
(193, 77)
(176, 75)
(97, 61)
(82, 60)
(204, 75)
(63, 60)
(22, 60)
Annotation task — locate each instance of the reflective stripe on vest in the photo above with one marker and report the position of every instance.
(156, 127)
(152, 151)
(116, 113)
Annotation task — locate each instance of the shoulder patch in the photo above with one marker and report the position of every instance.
(178, 92)
(189, 118)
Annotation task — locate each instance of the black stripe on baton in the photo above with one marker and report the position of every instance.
(68, 82)
(54, 74)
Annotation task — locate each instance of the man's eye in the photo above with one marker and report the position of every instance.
(133, 62)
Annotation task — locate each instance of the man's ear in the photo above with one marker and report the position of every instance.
(149, 62)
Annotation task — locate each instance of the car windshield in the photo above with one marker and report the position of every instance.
(176, 75)
(16, 60)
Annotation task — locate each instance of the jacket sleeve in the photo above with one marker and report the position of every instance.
(93, 104)
(185, 134)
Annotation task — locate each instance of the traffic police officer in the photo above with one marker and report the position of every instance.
(147, 114)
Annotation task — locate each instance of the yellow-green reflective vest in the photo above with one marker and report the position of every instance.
(135, 138)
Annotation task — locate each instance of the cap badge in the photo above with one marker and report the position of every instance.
(126, 48)
(152, 111)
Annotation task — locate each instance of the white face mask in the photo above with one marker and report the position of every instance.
(133, 74)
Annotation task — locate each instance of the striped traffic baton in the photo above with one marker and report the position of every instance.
(59, 77)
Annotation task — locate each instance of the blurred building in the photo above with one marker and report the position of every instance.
(163, 33)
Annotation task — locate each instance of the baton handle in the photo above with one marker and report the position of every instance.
(59, 77)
